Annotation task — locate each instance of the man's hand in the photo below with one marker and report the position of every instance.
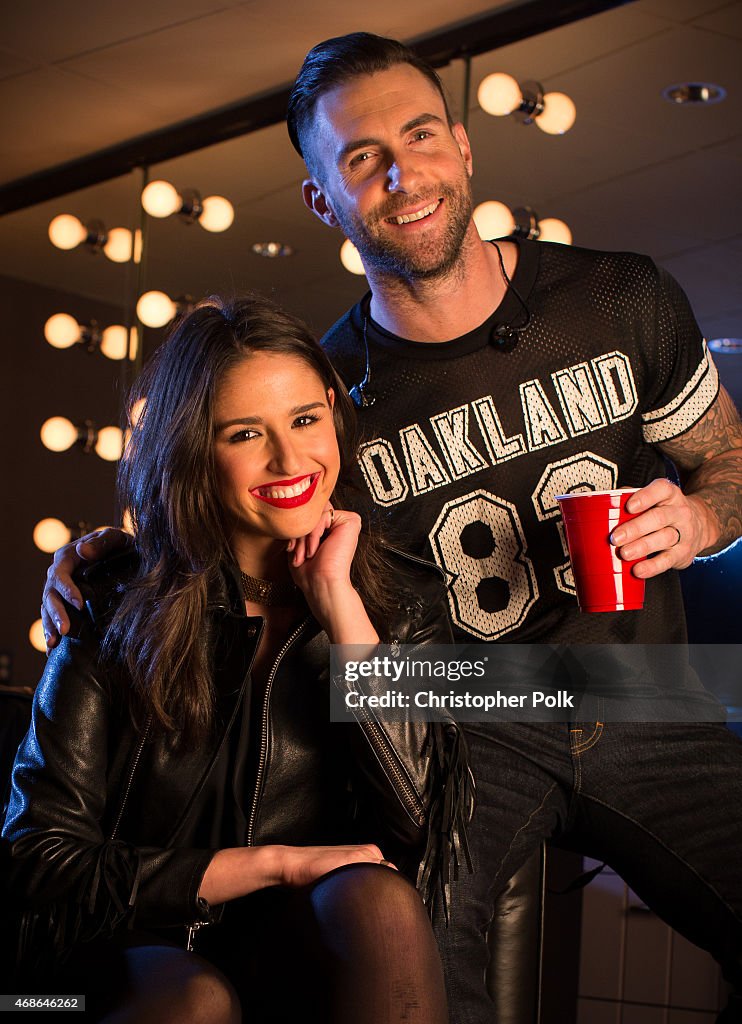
(703, 518)
(59, 584)
(671, 525)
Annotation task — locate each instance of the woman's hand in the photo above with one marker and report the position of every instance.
(326, 554)
(302, 865)
(240, 870)
(320, 564)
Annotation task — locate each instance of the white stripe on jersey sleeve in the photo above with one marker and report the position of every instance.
(687, 407)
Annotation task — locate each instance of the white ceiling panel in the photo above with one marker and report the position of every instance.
(49, 31)
(52, 116)
(551, 54)
(683, 10)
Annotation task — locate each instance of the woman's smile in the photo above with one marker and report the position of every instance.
(288, 493)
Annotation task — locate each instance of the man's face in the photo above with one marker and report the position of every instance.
(391, 173)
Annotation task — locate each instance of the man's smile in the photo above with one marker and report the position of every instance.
(415, 215)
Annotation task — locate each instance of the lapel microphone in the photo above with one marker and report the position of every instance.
(505, 336)
(361, 399)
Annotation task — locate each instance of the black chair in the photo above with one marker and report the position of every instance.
(516, 945)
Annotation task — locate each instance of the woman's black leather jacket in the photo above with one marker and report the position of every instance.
(99, 824)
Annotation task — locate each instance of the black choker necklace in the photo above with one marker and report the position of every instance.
(268, 592)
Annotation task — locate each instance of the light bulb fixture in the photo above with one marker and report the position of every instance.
(59, 434)
(118, 244)
(50, 534)
(36, 636)
(272, 250)
(728, 346)
(496, 220)
(161, 199)
(350, 258)
(122, 245)
(118, 343)
(694, 93)
(136, 410)
(109, 444)
(500, 95)
(551, 229)
(155, 309)
(67, 232)
(217, 215)
(493, 219)
(62, 331)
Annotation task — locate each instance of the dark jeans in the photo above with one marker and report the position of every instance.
(661, 803)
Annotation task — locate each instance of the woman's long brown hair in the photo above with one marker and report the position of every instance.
(168, 482)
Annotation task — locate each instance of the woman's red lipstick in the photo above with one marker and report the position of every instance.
(292, 501)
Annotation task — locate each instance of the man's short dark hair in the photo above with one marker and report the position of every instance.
(338, 60)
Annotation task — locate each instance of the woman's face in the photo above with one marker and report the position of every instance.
(275, 445)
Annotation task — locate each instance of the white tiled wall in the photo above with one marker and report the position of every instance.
(634, 969)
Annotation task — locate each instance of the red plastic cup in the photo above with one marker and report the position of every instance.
(604, 581)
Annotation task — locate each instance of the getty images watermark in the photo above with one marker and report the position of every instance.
(538, 682)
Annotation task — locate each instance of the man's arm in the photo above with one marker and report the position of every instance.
(60, 586)
(703, 517)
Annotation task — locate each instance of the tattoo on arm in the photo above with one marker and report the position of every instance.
(709, 460)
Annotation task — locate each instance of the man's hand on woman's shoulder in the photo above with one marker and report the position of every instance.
(60, 586)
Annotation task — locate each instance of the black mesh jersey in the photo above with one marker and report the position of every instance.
(467, 445)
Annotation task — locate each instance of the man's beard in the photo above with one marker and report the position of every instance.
(415, 258)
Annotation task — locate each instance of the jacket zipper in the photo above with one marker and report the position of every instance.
(137, 756)
(385, 751)
(264, 731)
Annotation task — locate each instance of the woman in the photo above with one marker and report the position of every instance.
(181, 765)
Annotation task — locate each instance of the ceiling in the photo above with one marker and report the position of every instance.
(635, 172)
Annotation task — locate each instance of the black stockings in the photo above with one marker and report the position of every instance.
(354, 948)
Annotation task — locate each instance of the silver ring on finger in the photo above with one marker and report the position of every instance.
(678, 533)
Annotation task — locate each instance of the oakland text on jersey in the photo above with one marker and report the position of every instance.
(463, 440)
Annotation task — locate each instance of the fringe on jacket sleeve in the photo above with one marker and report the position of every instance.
(449, 812)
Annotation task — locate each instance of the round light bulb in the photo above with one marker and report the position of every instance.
(499, 94)
(558, 115)
(127, 523)
(50, 534)
(36, 636)
(118, 245)
(137, 254)
(217, 215)
(155, 309)
(66, 231)
(58, 434)
(136, 411)
(62, 330)
(109, 443)
(493, 220)
(115, 344)
(160, 199)
(551, 229)
(350, 258)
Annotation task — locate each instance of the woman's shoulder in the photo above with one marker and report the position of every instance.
(414, 568)
(102, 585)
(421, 589)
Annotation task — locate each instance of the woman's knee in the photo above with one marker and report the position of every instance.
(368, 896)
(209, 997)
(168, 986)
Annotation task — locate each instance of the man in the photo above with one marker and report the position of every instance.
(492, 377)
